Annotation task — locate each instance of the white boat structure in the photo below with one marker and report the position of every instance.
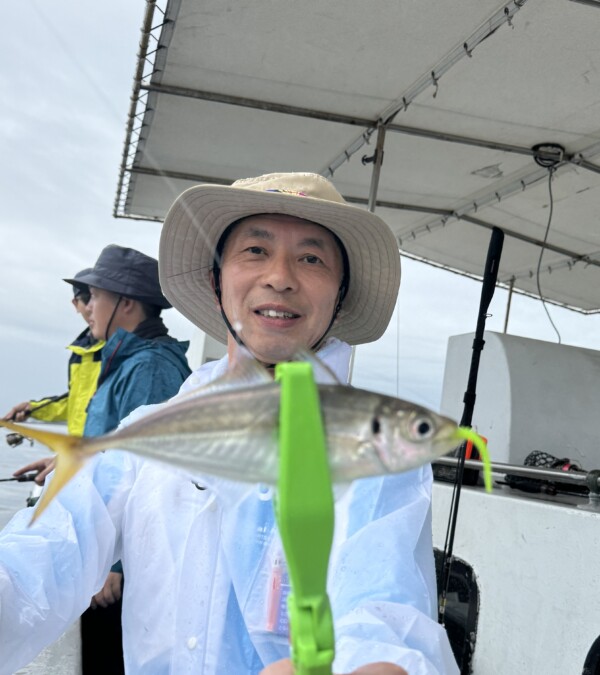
(450, 120)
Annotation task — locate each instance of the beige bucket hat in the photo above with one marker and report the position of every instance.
(200, 215)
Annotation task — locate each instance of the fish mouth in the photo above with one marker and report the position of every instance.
(449, 439)
(457, 436)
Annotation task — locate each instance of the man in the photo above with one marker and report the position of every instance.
(141, 364)
(84, 368)
(276, 263)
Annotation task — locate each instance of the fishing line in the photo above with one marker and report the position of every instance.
(76, 63)
(114, 110)
(551, 171)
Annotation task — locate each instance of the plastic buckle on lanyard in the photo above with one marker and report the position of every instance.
(305, 518)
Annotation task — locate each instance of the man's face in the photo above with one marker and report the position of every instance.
(101, 306)
(280, 278)
(80, 302)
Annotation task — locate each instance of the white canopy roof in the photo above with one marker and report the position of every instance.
(459, 93)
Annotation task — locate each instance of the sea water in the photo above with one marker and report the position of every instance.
(13, 495)
(64, 656)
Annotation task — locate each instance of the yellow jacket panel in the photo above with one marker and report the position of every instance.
(84, 369)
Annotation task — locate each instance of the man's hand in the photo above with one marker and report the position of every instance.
(380, 668)
(110, 593)
(19, 413)
(42, 466)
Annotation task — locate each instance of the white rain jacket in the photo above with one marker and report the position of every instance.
(205, 581)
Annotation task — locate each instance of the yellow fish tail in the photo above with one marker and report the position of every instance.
(68, 461)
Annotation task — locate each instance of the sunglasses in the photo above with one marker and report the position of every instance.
(83, 297)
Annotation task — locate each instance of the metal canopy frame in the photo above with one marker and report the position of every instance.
(152, 61)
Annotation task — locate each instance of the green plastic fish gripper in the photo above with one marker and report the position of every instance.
(305, 517)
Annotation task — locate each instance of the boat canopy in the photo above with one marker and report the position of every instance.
(447, 119)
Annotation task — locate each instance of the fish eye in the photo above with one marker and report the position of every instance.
(421, 428)
(375, 425)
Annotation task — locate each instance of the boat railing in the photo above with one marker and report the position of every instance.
(589, 479)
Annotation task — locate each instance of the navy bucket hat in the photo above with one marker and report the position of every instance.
(78, 286)
(126, 272)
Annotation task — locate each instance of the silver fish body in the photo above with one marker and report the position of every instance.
(230, 428)
(233, 434)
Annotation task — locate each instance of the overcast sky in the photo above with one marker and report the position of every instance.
(66, 80)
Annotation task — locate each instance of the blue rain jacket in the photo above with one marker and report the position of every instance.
(206, 579)
(134, 372)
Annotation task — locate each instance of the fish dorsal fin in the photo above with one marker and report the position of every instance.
(321, 372)
(244, 371)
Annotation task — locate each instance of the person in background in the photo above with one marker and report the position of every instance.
(277, 263)
(84, 369)
(141, 364)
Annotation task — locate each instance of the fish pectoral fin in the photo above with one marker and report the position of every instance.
(67, 465)
(244, 371)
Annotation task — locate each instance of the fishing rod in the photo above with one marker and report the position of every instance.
(469, 476)
(15, 438)
(25, 478)
(48, 401)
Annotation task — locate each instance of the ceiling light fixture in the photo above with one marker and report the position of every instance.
(548, 155)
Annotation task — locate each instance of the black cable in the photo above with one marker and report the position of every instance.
(551, 170)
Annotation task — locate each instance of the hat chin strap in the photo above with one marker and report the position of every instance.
(336, 311)
(112, 316)
(230, 328)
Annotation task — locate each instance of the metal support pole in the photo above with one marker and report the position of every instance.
(510, 294)
(378, 161)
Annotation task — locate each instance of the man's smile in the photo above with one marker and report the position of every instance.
(276, 313)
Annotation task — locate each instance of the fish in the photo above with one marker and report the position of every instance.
(229, 429)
